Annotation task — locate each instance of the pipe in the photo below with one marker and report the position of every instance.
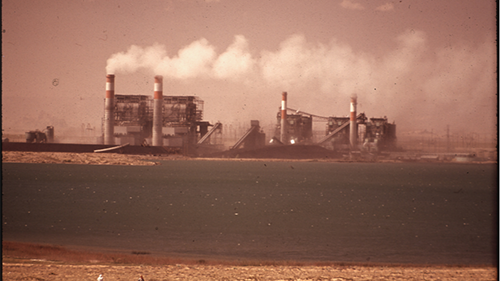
(353, 131)
(157, 111)
(109, 109)
(283, 135)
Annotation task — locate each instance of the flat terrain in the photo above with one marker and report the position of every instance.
(74, 158)
(52, 271)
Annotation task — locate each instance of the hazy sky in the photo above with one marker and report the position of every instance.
(423, 64)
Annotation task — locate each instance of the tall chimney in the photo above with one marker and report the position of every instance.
(353, 133)
(109, 109)
(283, 136)
(157, 111)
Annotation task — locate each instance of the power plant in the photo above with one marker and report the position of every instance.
(163, 124)
(159, 124)
(177, 121)
(175, 124)
(341, 134)
(157, 120)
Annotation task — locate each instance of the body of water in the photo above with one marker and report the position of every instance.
(304, 211)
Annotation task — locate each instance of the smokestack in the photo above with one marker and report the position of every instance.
(157, 112)
(353, 133)
(109, 108)
(283, 136)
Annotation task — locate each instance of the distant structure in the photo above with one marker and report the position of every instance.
(109, 110)
(342, 133)
(283, 120)
(177, 121)
(157, 120)
(297, 127)
(37, 136)
(379, 135)
(253, 138)
(158, 112)
(353, 124)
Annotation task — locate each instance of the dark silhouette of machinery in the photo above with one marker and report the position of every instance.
(38, 136)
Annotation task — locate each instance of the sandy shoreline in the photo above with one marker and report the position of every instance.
(122, 159)
(74, 158)
(26, 261)
(149, 160)
(40, 271)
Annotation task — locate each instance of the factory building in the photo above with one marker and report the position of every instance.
(177, 121)
(298, 128)
(379, 135)
(157, 120)
(352, 133)
(253, 138)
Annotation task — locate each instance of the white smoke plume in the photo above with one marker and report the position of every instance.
(333, 67)
(236, 62)
(193, 61)
(197, 60)
(412, 83)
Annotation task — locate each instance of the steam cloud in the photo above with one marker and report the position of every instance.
(197, 60)
(410, 82)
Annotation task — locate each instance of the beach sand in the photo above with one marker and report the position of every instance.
(56, 271)
(75, 158)
(28, 261)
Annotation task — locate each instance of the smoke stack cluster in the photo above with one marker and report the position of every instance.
(353, 133)
(283, 137)
(109, 109)
(157, 112)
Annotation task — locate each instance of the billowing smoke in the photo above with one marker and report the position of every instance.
(412, 84)
(236, 62)
(197, 60)
(334, 67)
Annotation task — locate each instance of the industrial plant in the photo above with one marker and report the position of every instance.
(177, 122)
(158, 124)
(174, 124)
(341, 133)
(171, 121)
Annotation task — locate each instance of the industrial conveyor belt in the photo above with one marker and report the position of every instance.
(209, 133)
(360, 118)
(242, 139)
(332, 134)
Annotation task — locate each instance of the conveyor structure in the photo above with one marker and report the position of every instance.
(253, 138)
(209, 133)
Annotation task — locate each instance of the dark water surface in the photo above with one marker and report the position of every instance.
(344, 212)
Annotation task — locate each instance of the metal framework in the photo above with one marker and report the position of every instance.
(137, 110)
(132, 110)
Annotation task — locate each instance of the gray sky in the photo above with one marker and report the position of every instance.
(423, 64)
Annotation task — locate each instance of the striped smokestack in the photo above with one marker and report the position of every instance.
(353, 133)
(283, 136)
(109, 109)
(157, 112)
